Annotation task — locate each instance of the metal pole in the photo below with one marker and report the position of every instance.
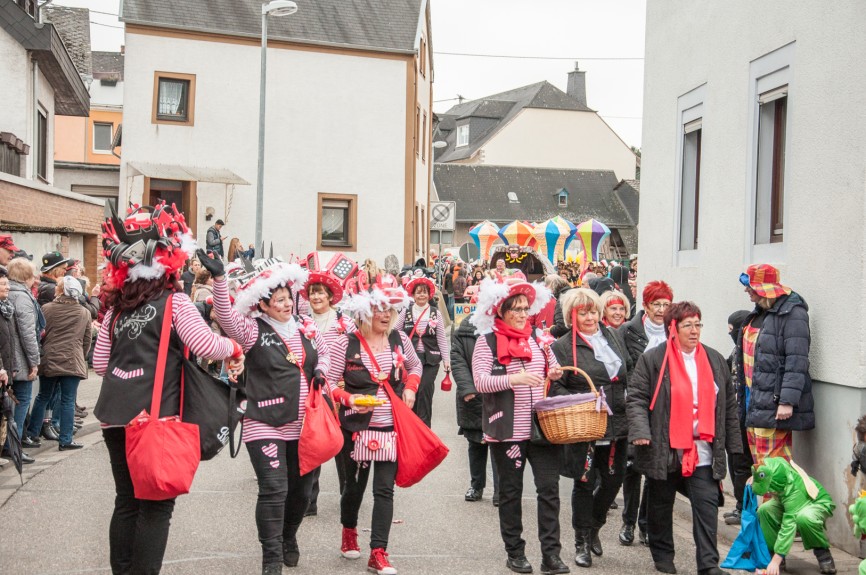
(260, 174)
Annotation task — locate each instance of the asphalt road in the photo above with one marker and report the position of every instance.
(58, 521)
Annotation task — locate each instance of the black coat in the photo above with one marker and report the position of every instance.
(8, 339)
(657, 459)
(468, 412)
(781, 368)
(635, 338)
(558, 328)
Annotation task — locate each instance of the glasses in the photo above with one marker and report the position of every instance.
(691, 326)
(658, 306)
(519, 310)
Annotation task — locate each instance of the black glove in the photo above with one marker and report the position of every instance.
(212, 264)
(319, 380)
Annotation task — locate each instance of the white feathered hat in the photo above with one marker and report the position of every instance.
(271, 274)
(385, 293)
(493, 292)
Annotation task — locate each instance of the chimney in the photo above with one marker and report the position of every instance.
(577, 84)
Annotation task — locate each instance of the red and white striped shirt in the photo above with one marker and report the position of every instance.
(524, 396)
(421, 329)
(382, 416)
(245, 330)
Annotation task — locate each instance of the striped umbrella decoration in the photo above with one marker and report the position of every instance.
(551, 236)
(592, 234)
(484, 235)
(516, 233)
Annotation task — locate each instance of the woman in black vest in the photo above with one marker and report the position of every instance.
(367, 360)
(424, 325)
(137, 292)
(286, 360)
(509, 366)
(601, 353)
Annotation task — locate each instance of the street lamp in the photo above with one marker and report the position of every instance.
(272, 8)
(437, 145)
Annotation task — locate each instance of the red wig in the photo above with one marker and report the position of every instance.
(656, 290)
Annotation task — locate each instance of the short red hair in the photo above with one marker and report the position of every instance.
(678, 312)
(657, 290)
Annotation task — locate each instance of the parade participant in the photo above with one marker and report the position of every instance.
(285, 360)
(425, 327)
(546, 318)
(642, 333)
(8, 249)
(682, 418)
(739, 465)
(324, 290)
(858, 517)
(601, 353)
(509, 367)
(145, 252)
(615, 308)
(801, 505)
(774, 353)
(619, 275)
(366, 360)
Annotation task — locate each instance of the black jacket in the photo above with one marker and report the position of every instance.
(635, 338)
(781, 368)
(558, 328)
(213, 241)
(468, 412)
(657, 459)
(8, 338)
(46, 290)
(571, 382)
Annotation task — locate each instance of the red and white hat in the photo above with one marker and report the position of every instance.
(334, 276)
(271, 274)
(419, 281)
(385, 293)
(146, 245)
(493, 292)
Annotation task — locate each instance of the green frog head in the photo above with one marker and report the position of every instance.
(771, 476)
(858, 514)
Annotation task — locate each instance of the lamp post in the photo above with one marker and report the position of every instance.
(272, 8)
(437, 145)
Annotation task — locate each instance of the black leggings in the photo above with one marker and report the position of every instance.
(423, 407)
(384, 473)
(588, 507)
(138, 531)
(283, 494)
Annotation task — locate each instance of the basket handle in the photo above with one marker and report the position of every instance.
(584, 374)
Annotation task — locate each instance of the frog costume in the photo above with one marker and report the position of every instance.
(799, 504)
(858, 514)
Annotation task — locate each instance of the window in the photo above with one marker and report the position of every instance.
(424, 137)
(770, 197)
(102, 133)
(422, 57)
(462, 135)
(337, 221)
(417, 129)
(563, 198)
(690, 188)
(173, 98)
(42, 145)
(441, 237)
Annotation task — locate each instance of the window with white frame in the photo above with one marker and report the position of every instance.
(462, 135)
(102, 132)
(690, 128)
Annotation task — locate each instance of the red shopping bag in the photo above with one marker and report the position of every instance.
(419, 450)
(321, 438)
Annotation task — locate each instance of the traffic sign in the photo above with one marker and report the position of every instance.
(443, 216)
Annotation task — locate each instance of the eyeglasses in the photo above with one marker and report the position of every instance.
(691, 326)
(519, 310)
(657, 305)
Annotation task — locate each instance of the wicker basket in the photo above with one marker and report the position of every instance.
(575, 423)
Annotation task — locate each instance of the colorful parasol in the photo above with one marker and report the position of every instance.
(516, 233)
(484, 235)
(552, 237)
(592, 234)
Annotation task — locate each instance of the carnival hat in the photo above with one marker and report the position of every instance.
(413, 284)
(7, 243)
(53, 260)
(493, 292)
(764, 279)
(270, 275)
(385, 293)
(339, 269)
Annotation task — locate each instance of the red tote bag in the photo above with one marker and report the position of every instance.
(321, 438)
(162, 454)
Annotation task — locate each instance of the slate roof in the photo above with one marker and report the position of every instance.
(384, 25)
(502, 107)
(108, 66)
(73, 26)
(628, 193)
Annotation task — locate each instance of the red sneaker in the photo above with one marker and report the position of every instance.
(349, 548)
(379, 563)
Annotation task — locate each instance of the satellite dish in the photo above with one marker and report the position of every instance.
(469, 252)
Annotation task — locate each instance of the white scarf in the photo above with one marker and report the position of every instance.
(324, 320)
(654, 333)
(286, 330)
(604, 353)
(417, 311)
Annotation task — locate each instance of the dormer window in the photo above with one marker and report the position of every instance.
(462, 135)
(563, 198)
(512, 198)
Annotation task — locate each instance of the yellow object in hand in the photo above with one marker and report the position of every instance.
(369, 401)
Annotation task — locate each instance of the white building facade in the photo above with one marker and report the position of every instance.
(753, 148)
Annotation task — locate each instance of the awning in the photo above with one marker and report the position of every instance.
(187, 173)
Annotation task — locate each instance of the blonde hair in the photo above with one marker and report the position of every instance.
(614, 294)
(21, 270)
(578, 298)
(366, 326)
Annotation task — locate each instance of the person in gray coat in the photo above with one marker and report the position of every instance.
(682, 417)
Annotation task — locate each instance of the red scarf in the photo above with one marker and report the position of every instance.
(682, 401)
(512, 343)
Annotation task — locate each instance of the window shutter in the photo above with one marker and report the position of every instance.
(693, 126)
(774, 94)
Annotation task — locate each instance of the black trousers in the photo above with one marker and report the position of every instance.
(423, 407)
(284, 494)
(635, 499)
(357, 474)
(704, 494)
(740, 466)
(138, 532)
(511, 461)
(478, 466)
(316, 473)
(588, 507)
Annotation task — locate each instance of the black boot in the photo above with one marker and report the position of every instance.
(825, 561)
(272, 569)
(553, 565)
(582, 555)
(291, 553)
(626, 534)
(595, 543)
(49, 433)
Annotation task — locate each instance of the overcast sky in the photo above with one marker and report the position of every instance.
(606, 36)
